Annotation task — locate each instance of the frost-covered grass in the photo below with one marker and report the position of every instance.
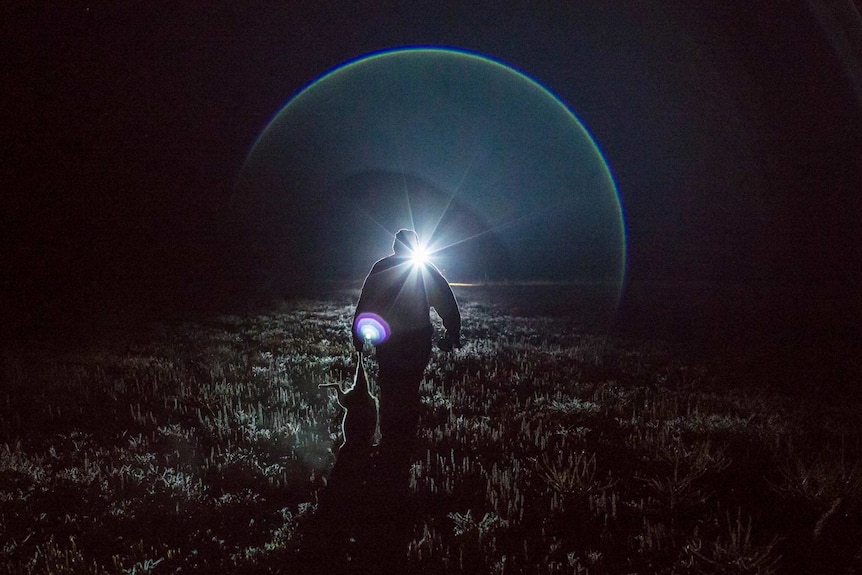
(203, 447)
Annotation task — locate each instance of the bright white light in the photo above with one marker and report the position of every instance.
(370, 333)
(419, 256)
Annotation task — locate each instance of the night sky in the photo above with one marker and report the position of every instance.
(732, 129)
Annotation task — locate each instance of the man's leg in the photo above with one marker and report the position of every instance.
(401, 371)
(402, 365)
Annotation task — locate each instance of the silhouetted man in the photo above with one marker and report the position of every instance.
(401, 290)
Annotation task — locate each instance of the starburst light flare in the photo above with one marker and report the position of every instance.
(419, 256)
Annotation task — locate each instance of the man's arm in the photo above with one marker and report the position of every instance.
(441, 298)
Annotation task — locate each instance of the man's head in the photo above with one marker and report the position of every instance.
(406, 242)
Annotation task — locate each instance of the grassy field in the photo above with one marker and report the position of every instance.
(203, 448)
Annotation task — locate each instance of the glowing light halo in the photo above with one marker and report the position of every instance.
(419, 256)
(372, 328)
(341, 81)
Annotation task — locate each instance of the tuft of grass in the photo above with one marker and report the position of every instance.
(573, 474)
(734, 552)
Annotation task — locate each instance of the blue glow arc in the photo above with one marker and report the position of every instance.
(480, 130)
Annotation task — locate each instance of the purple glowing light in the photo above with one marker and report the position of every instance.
(371, 328)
